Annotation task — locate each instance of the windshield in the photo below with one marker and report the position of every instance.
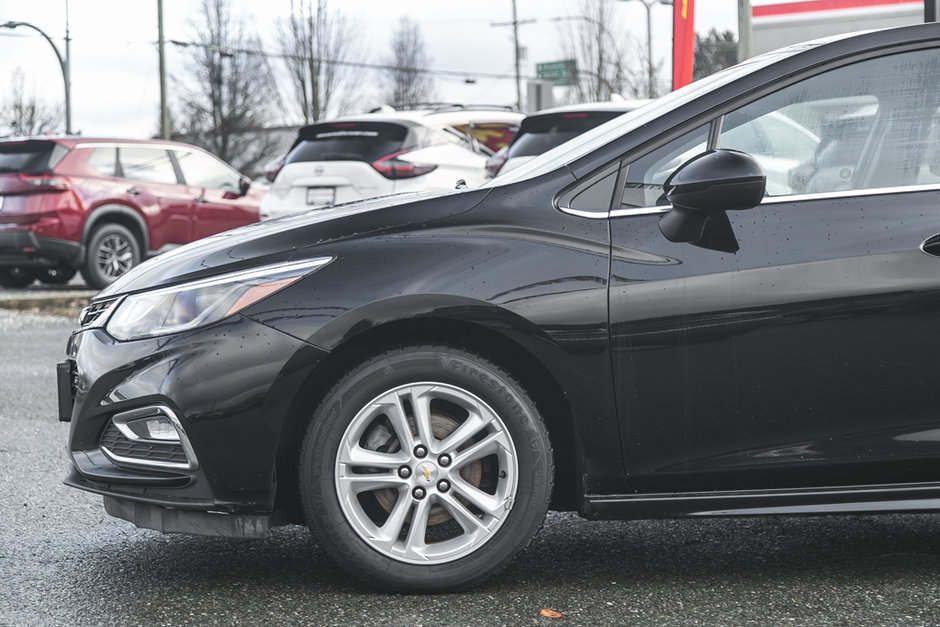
(609, 131)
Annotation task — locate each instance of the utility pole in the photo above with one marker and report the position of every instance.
(164, 114)
(515, 23)
(744, 30)
(68, 74)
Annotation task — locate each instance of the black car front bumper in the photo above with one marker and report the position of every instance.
(231, 387)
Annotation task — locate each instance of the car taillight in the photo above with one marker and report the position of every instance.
(495, 162)
(45, 182)
(391, 167)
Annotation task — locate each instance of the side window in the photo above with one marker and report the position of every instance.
(644, 178)
(103, 161)
(594, 195)
(152, 165)
(201, 170)
(863, 126)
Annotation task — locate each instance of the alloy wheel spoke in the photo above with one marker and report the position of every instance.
(470, 427)
(415, 541)
(359, 456)
(357, 483)
(399, 419)
(489, 445)
(464, 517)
(491, 505)
(421, 404)
(387, 535)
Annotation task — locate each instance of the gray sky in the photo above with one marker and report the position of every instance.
(115, 83)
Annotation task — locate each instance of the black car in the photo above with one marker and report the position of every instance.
(679, 313)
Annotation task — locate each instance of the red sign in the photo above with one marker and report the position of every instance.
(810, 6)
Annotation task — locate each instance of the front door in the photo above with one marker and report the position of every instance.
(812, 349)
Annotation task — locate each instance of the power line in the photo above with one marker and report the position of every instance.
(228, 52)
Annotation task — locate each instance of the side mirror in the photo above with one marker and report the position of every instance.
(702, 189)
(243, 184)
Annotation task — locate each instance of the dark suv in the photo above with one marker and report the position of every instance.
(102, 205)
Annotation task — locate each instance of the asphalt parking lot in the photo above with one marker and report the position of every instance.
(63, 561)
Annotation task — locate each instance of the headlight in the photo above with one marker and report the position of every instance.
(190, 305)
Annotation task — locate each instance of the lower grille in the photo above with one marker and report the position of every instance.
(149, 437)
(141, 450)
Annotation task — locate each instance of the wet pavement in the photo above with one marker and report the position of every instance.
(63, 561)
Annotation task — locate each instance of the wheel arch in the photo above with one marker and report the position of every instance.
(118, 214)
(501, 348)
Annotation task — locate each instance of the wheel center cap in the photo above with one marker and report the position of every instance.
(426, 473)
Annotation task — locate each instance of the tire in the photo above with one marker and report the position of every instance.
(59, 275)
(112, 250)
(16, 276)
(361, 488)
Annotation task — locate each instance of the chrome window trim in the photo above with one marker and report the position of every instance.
(122, 418)
(848, 193)
(768, 200)
(616, 213)
(581, 213)
(640, 211)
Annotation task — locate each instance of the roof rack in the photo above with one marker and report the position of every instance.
(438, 106)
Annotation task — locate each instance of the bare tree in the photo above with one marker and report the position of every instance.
(317, 44)
(713, 52)
(592, 39)
(22, 115)
(407, 81)
(229, 93)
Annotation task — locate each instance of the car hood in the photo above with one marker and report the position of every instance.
(290, 238)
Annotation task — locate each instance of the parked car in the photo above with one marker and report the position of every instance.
(419, 377)
(100, 206)
(387, 152)
(546, 129)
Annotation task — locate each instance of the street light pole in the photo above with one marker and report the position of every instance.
(63, 65)
(648, 4)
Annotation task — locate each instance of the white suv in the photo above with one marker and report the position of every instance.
(375, 154)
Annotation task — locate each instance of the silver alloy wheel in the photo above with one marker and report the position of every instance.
(415, 494)
(114, 256)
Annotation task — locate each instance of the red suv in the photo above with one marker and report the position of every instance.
(100, 206)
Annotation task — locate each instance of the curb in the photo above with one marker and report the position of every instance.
(69, 304)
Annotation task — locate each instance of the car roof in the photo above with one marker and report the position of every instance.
(76, 141)
(436, 117)
(587, 107)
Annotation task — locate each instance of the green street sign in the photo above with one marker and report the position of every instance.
(560, 73)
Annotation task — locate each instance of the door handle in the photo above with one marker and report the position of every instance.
(200, 199)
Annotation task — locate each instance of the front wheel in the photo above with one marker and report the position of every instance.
(426, 468)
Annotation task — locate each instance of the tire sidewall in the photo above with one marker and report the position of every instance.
(437, 365)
